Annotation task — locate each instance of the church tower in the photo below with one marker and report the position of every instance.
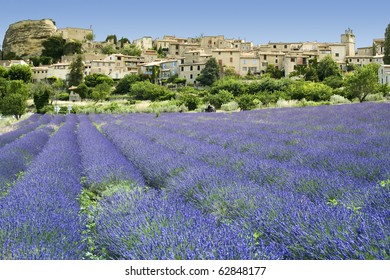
(348, 39)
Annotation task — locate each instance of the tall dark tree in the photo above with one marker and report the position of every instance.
(54, 47)
(386, 57)
(210, 73)
(76, 73)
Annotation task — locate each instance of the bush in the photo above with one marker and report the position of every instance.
(375, 97)
(338, 99)
(281, 103)
(148, 91)
(189, 100)
(222, 97)
(63, 96)
(246, 102)
(234, 86)
(231, 106)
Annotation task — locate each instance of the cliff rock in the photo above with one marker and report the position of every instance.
(25, 38)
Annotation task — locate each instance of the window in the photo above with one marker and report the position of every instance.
(244, 61)
(219, 53)
(265, 57)
(191, 68)
(244, 69)
(276, 60)
(191, 76)
(254, 61)
(182, 68)
(199, 67)
(285, 46)
(231, 59)
(231, 53)
(337, 54)
(274, 46)
(292, 59)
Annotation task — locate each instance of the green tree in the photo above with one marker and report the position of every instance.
(109, 50)
(97, 78)
(41, 93)
(246, 102)
(13, 105)
(76, 73)
(148, 91)
(310, 91)
(101, 92)
(274, 71)
(386, 57)
(210, 73)
(3, 72)
(222, 97)
(328, 67)
(13, 98)
(132, 50)
(83, 91)
(112, 37)
(235, 86)
(191, 101)
(124, 84)
(20, 72)
(54, 47)
(363, 81)
(72, 47)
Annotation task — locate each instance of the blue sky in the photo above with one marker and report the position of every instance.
(255, 21)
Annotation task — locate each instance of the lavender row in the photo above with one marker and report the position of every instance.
(15, 134)
(16, 156)
(153, 225)
(101, 161)
(39, 217)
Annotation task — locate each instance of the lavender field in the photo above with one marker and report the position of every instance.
(292, 183)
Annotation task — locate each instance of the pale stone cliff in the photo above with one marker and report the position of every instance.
(25, 38)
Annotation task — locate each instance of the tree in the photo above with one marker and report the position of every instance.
(20, 72)
(97, 78)
(73, 47)
(76, 73)
(101, 92)
(328, 67)
(147, 91)
(124, 84)
(222, 97)
(246, 102)
(362, 82)
(274, 71)
(83, 90)
(386, 57)
(210, 73)
(132, 50)
(41, 93)
(112, 37)
(54, 47)
(3, 72)
(13, 98)
(13, 104)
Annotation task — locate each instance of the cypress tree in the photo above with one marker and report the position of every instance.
(386, 57)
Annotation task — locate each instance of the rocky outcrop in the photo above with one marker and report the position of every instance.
(25, 38)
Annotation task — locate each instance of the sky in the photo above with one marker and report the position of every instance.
(254, 21)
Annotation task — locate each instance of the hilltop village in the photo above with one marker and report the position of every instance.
(181, 57)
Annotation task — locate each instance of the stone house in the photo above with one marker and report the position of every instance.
(192, 63)
(384, 74)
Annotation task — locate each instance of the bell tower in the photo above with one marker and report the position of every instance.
(348, 39)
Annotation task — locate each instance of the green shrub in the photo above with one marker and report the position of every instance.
(63, 96)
